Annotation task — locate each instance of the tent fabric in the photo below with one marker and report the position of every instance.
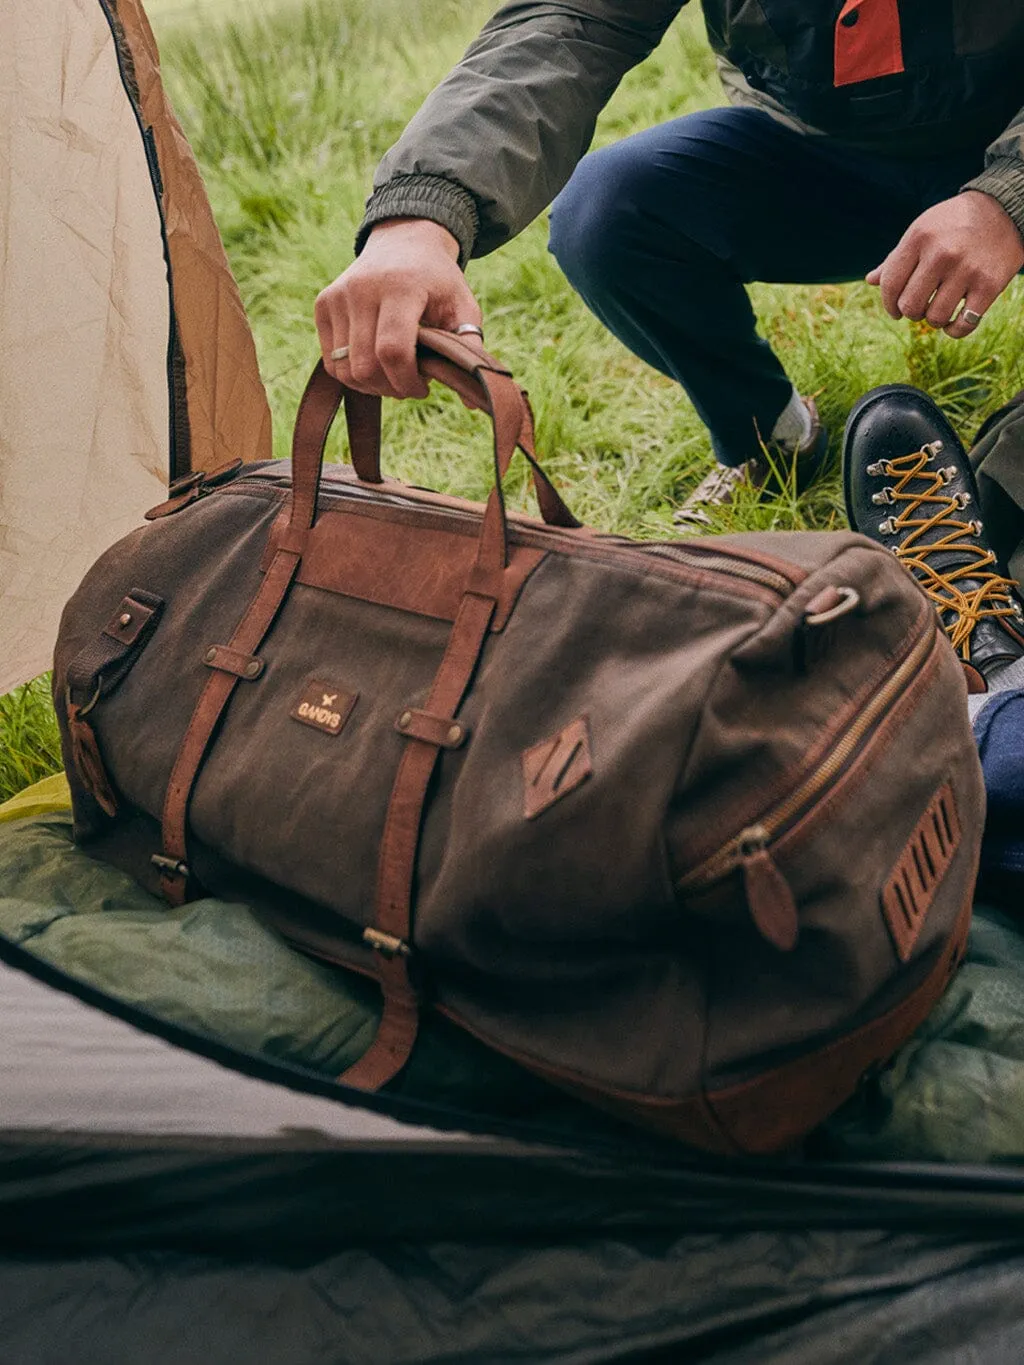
(94, 362)
(84, 319)
(755, 1299)
(228, 415)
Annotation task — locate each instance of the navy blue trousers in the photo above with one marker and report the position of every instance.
(660, 233)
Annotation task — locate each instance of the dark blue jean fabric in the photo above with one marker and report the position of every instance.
(659, 233)
(999, 731)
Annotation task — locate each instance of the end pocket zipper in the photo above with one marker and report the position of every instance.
(770, 898)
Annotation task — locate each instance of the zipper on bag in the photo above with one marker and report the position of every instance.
(685, 560)
(769, 896)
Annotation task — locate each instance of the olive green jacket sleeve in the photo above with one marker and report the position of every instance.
(1003, 176)
(497, 140)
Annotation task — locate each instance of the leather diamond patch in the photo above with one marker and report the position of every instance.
(555, 767)
(324, 706)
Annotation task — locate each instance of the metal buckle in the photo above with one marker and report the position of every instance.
(386, 944)
(175, 867)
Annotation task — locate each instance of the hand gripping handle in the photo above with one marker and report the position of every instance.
(478, 378)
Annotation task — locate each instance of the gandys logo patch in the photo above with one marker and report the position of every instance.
(324, 706)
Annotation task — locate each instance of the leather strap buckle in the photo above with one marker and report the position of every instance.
(386, 944)
(170, 867)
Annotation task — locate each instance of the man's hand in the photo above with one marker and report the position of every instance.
(965, 249)
(407, 274)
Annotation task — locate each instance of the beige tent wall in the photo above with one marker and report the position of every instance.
(84, 315)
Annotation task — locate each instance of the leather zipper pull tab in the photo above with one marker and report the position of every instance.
(769, 896)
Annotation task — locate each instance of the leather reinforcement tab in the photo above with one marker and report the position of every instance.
(228, 660)
(440, 730)
(88, 761)
(130, 620)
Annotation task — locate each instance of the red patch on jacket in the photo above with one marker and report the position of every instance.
(868, 41)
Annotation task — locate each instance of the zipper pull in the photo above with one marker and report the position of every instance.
(769, 896)
(191, 487)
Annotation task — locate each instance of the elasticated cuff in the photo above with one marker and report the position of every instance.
(425, 196)
(1003, 179)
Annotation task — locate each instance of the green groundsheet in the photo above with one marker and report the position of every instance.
(955, 1092)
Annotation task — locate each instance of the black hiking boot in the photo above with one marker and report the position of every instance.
(910, 487)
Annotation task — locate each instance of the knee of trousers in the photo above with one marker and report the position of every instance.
(598, 222)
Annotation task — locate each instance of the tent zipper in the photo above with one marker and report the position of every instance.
(769, 896)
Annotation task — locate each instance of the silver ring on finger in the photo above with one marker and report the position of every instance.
(469, 327)
(340, 353)
(970, 317)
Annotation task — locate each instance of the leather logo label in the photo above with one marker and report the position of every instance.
(325, 707)
(555, 767)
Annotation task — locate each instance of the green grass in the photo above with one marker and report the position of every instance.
(289, 109)
(29, 746)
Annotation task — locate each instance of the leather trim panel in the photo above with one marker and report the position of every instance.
(415, 568)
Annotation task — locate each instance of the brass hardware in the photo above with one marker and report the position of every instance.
(405, 720)
(125, 619)
(253, 668)
(174, 866)
(210, 655)
(751, 841)
(455, 734)
(386, 944)
(84, 710)
(849, 601)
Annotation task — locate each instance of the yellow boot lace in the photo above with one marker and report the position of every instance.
(918, 490)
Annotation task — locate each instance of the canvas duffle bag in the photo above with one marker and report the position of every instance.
(688, 828)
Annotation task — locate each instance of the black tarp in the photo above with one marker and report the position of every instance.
(165, 1199)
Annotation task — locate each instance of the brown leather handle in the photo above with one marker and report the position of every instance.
(474, 375)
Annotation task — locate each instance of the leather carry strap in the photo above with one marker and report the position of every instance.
(474, 375)
(392, 930)
(214, 697)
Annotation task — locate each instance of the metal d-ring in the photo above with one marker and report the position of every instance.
(84, 710)
(849, 601)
